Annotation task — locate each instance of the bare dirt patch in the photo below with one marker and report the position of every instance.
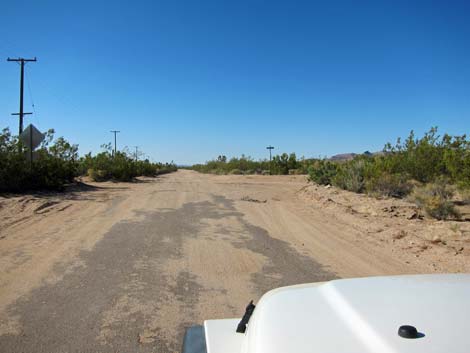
(125, 267)
(415, 238)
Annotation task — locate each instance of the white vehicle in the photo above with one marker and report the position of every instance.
(397, 314)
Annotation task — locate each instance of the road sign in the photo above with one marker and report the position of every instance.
(32, 137)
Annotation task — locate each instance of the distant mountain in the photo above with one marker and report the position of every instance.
(348, 156)
(343, 157)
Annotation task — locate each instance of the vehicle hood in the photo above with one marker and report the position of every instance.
(363, 315)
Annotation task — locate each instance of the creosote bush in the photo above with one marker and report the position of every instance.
(350, 176)
(281, 164)
(436, 200)
(390, 185)
(120, 167)
(236, 172)
(322, 172)
(415, 163)
(394, 172)
(56, 163)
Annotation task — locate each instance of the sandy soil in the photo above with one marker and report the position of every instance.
(125, 267)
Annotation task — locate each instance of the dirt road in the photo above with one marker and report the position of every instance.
(126, 267)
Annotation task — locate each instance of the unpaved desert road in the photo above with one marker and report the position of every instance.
(126, 267)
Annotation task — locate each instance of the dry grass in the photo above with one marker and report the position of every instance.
(436, 200)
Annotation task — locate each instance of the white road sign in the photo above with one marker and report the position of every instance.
(32, 137)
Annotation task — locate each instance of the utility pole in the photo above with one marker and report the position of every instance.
(21, 120)
(270, 148)
(115, 132)
(136, 153)
(21, 113)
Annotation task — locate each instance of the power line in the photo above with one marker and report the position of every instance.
(67, 102)
(30, 92)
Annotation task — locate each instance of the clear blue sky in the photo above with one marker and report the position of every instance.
(189, 80)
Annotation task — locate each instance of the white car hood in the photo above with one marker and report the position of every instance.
(363, 315)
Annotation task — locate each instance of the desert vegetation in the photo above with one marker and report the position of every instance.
(280, 165)
(432, 171)
(57, 163)
(122, 166)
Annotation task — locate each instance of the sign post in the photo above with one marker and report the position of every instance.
(32, 138)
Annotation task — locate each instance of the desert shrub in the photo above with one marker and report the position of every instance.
(292, 163)
(393, 172)
(55, 164)
(145, 168)
(421, 159)
(465, 195)
(97, 174)
(304, 164)
(430, 157)
(392, 185)
(435, 199)
(280, 164)
(120, 167)
(350, 176)
(217, 171)
(416, 160)
(297, 171)
(235, 172)
(105, 166)
(165, 168)
(322, 172)
(456, 157)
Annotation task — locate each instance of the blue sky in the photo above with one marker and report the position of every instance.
(189, 80)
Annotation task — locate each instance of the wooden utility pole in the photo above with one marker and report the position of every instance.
(115, 132)
(136, 153)
(270, 148)
(21, 113)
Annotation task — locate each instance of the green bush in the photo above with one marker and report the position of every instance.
(280, 164)
(120, 167)
(297, 171)
(464, 195)
(429, 158)
(393, 172)
(350, 176)
(435, 199)
(322, 172)
(392, 185)
(397, 168)
(55, 164)
(97, 174)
